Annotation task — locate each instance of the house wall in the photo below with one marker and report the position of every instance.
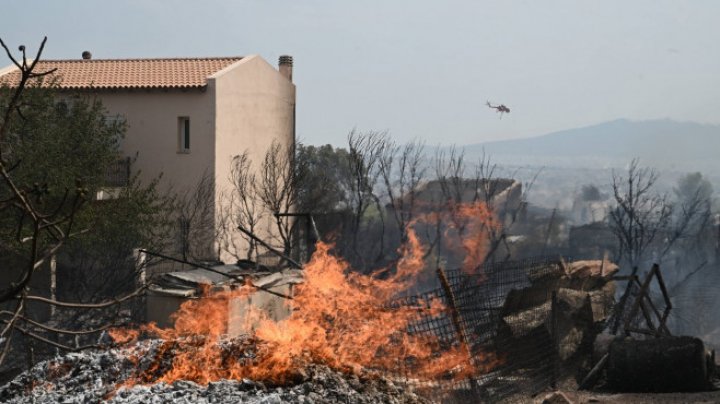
(255, 105)
(153, 135)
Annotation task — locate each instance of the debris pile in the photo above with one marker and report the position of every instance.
(563, 305)
(99, 375)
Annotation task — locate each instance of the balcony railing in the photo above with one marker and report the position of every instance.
(118, 174)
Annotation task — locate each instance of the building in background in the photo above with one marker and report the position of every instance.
(187, 117)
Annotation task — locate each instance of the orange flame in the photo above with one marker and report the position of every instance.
(467, 229)
(340, 318)
(479, 221)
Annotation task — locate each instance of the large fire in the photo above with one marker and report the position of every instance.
(340, 318)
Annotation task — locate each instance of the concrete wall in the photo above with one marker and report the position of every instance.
(159, 308)
(246, 313)
(255, 105)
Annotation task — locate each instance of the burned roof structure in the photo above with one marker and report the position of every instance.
(171, 282)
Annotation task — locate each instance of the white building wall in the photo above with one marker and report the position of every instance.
(255, 105)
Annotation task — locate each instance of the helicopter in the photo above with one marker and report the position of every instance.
(502, 109)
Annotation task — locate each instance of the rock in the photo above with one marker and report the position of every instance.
(314, 397)
(557, 397)
(182, 385)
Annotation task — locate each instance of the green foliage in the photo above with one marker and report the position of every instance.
(60, 146)
(323, 170)
(101, 262)
(62, 140)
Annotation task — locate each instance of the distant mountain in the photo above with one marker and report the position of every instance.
(661, 143)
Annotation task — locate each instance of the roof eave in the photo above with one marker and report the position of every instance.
(201, 88)
(223, 71)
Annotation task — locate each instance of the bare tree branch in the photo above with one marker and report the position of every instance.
(100, 305)
(639, 215)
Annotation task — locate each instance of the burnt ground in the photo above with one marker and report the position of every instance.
(574, 396)
(95, 376)
(636, 398)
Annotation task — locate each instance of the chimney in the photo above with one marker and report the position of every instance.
(285, 65)
(86, 55)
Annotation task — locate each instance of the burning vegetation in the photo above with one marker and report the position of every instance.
(344, 325)
(347, 321)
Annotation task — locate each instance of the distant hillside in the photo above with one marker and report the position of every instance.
(661, 143)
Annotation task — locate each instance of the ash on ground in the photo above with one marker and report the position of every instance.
(98, 376)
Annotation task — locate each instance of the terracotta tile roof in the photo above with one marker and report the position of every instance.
(130, 73)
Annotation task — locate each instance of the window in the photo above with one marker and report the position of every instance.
(183, 134)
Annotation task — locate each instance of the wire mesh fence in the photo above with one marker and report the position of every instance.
(508, 326)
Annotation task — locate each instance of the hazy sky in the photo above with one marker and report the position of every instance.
(421, 68)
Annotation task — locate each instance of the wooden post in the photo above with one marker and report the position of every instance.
(141, 266)
(455, 315)
(53, 284)
(53, 295)
(555, 339)
(591, 378)
(639, 306)
(269, 248)
(457, 322)
(645, 305)
(620, 307)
